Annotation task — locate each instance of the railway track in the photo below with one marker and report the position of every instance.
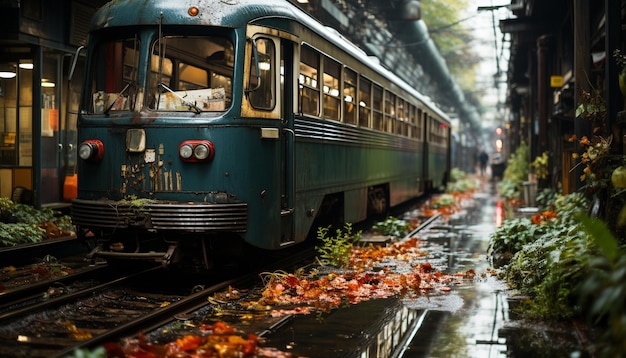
(98, 305)
(114, 308)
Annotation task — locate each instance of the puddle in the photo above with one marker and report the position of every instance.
(376, 328)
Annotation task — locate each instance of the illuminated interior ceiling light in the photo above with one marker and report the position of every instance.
(303, 1)
(46, 83)
(7, 71)
(26, 65)
(264, 66)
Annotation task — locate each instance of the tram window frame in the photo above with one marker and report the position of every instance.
(365, 102)
(308, 81)
(378, 119)
(110, 90)
(209, 57)
(420, 123)
(331, 80)
(413, 122)
(350, 79)
(390, 112)
(400, 116)
(263, 96)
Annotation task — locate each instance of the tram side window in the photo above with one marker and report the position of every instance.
(308, 81)
(190, 73)
(365, 102)
(114, 76)
(349, 96)
(263, 96)
(377, 109)
(438, 132)
(332, 101)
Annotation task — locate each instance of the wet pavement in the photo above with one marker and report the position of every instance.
(468, 318)
(471, 328)
(461, 323)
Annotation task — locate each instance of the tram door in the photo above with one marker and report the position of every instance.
(51, 148)
(287, 141)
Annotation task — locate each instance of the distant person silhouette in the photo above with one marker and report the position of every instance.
(483, 158)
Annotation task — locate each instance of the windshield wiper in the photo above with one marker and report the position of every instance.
(192, 106)
(108, 109)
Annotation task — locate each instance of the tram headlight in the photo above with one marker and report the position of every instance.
(196, 151)
(91, 149)
(201, 151)
(185, 151)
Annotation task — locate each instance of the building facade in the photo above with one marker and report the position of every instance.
(38, 42)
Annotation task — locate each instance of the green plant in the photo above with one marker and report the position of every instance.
(546, 197)
(516, 173)
(603, 292)
(336, 250)
(20, 233)
(459, 182)
(444, 200)
(26, 221)
(545, 257)
(514, 234)
(550, 269)
(391, 226)
(540, 166)
(457, 174)
(510, 238)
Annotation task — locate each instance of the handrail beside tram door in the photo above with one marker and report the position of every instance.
(288, 205)
(290, 175)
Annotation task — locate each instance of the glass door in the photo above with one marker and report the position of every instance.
(51, 146)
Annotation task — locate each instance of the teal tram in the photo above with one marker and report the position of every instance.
(206, 122)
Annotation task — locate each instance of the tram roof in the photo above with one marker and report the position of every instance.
(235, 13)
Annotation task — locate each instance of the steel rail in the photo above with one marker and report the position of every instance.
(62, 299)
(182, 308)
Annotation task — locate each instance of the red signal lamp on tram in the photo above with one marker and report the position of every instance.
(196, 151)
(91, 149)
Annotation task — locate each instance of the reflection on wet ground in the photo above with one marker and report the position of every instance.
(470, 328)
(461, 323)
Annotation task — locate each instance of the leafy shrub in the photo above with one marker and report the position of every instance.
(550, 269)
(514, 234)
(25, 224)
(546, 257)
(457, 174)
(392, 227)
(603, 292)
(336, 250)
(516, 173)
(511, 237)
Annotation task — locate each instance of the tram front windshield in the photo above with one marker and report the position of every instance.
(184, 73)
